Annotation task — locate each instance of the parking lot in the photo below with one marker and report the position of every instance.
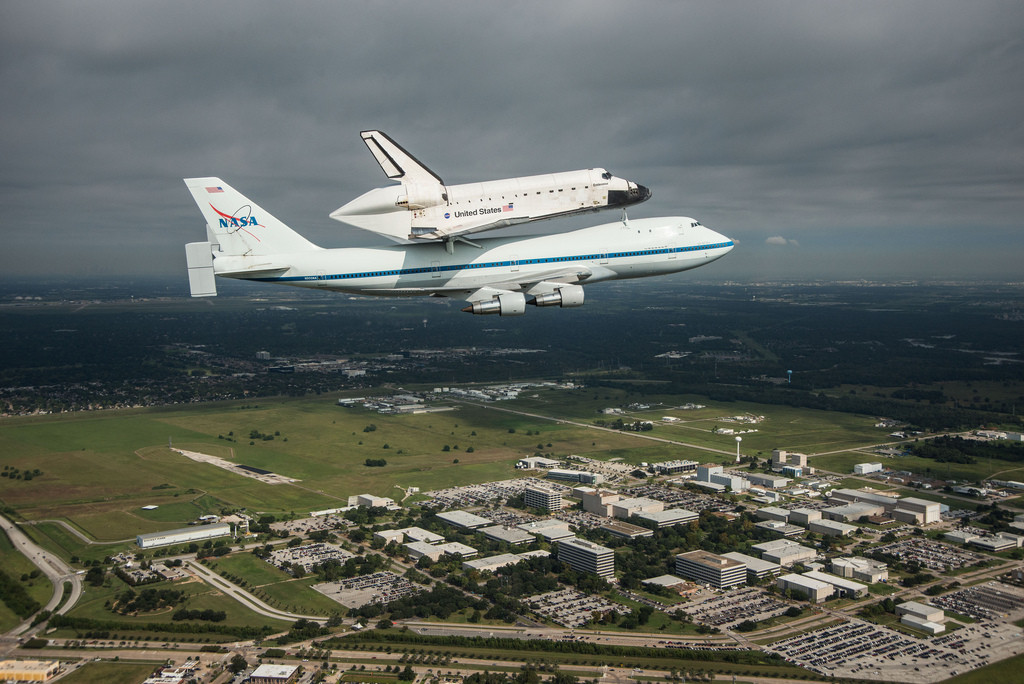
(380, 587)
(989, 601)
(307, 556)
(312, 524)
(571, 608)
(730, 609)
(930, 554)
(865, 651)
(674, 497)
(488, 492)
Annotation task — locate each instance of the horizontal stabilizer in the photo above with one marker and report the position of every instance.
(201, 281)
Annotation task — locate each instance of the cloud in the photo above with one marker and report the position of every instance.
(898, 125)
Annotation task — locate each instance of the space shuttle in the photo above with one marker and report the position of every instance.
(421, 208)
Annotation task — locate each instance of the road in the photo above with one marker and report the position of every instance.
(52, 566)
(245, 598)
(564, 421)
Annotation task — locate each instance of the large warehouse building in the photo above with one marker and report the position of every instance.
(183, 535)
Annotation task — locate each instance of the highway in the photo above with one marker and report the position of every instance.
(55, 569)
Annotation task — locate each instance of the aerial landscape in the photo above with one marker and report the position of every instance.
(802, 462)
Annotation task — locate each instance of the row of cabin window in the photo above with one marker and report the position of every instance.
(525, 194)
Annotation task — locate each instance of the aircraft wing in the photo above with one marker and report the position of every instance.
(395, 161)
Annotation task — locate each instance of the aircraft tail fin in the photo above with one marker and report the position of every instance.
(396, 162)
(239, 226)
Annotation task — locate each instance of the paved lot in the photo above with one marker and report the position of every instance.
(380, 587)
(866, 651)
(571, 608)
(730, 609)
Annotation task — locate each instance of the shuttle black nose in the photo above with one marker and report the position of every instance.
(632, 195)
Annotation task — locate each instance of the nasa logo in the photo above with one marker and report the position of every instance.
(447, 215)
(229, 221)
(238, 221)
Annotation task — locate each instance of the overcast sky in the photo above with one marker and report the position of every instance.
(881, 140)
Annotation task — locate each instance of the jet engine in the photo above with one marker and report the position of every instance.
(420, 196)
(508, 304)
(565, 297)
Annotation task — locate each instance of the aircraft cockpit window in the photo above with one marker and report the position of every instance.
(606, 175)
(695, 224)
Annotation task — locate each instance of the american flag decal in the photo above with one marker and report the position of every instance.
(507, 207)
(214, 189)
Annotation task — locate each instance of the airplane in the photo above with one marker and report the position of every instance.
(424, 209)
(506, 274)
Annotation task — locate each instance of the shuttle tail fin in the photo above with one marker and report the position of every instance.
(239, 226)
(398, 164)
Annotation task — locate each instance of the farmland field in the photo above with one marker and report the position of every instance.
(98, 470)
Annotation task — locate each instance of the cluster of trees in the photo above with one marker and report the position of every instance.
(375, 462)
(528, 674)
(208, 615)
(146, 600)
(15, 596)
(98, 627)
(265, 436)
(875, 610)
(948, 449)
(440, 602)
(504, 645)
(332, 569)
(302, 630)
(13, 473)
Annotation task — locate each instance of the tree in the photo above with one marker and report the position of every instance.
(237, 664)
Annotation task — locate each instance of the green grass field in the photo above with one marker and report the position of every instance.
(199, 596)
(110, 673)
(100, 469)
(275, 586)
(15, 566)
(1004, 671)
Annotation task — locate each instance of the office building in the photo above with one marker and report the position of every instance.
(812, 589)
(183, 535)
(711, 569)
(543, 498)
(586, 556)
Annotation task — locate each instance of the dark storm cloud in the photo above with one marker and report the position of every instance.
(883, 138)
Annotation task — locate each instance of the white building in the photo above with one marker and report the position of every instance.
(543, 498)
(756, 567)
(844, 587)
(183, 535)
(674, 467)
(624, 508)
(785, 552)
(831, 528)
(814, 590)
(867, 468)
(709, 568)
(861, 569)
(274, 674)
(586, 556)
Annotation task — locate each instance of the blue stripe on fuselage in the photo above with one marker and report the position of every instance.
(493, 264)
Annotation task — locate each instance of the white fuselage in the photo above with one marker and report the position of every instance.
(631, 249)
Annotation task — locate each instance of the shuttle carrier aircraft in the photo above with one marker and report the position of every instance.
(494, 275)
